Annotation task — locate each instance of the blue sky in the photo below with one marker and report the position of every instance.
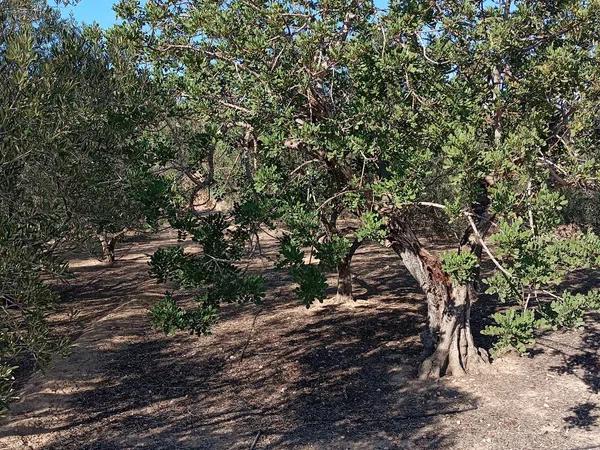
(90, 11)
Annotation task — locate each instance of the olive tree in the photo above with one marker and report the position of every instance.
(480, 111)
(74, 109)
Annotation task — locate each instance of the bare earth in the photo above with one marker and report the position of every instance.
(334, 376)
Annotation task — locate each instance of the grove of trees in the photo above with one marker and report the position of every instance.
(73, 162)
(326, 123)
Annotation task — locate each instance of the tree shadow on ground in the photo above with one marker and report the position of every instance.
(337, 376)
(333, 382)
(580, 354)
(583, 360)
(356, 385)
(583, 416)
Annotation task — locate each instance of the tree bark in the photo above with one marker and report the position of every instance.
(455, 352)
(108, 249)
(344, 270)
(109, 243)
(344, 284)
(448, 343)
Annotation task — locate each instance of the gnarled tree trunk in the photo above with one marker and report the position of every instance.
(108, 248)
(448, 342)
(344, 284)
(109, 243)
(455, 352)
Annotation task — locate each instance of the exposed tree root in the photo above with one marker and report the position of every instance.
(455, 352)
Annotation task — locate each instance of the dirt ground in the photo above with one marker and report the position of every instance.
(334, 376)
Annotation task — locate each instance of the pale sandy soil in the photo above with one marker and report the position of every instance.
(335, 376)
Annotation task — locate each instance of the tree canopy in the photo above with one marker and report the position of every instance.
(473, 120)
(74, 113)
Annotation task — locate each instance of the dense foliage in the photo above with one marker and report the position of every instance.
(355, 124)
(74, 110)
(327, 124)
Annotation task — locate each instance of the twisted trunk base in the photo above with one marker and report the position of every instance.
(344, 284)
(449, 348)
(109, 242)
(108, 249)
(453, 351)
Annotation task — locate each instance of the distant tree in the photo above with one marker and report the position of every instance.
(74, 110)
(31, 225)
(108, 185)
(477, 117)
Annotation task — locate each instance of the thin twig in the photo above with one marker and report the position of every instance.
(253, 446)
(306, 163)
(250, 334)
(486, 249)
(236, 107)
(529, 211)
(339, 194)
